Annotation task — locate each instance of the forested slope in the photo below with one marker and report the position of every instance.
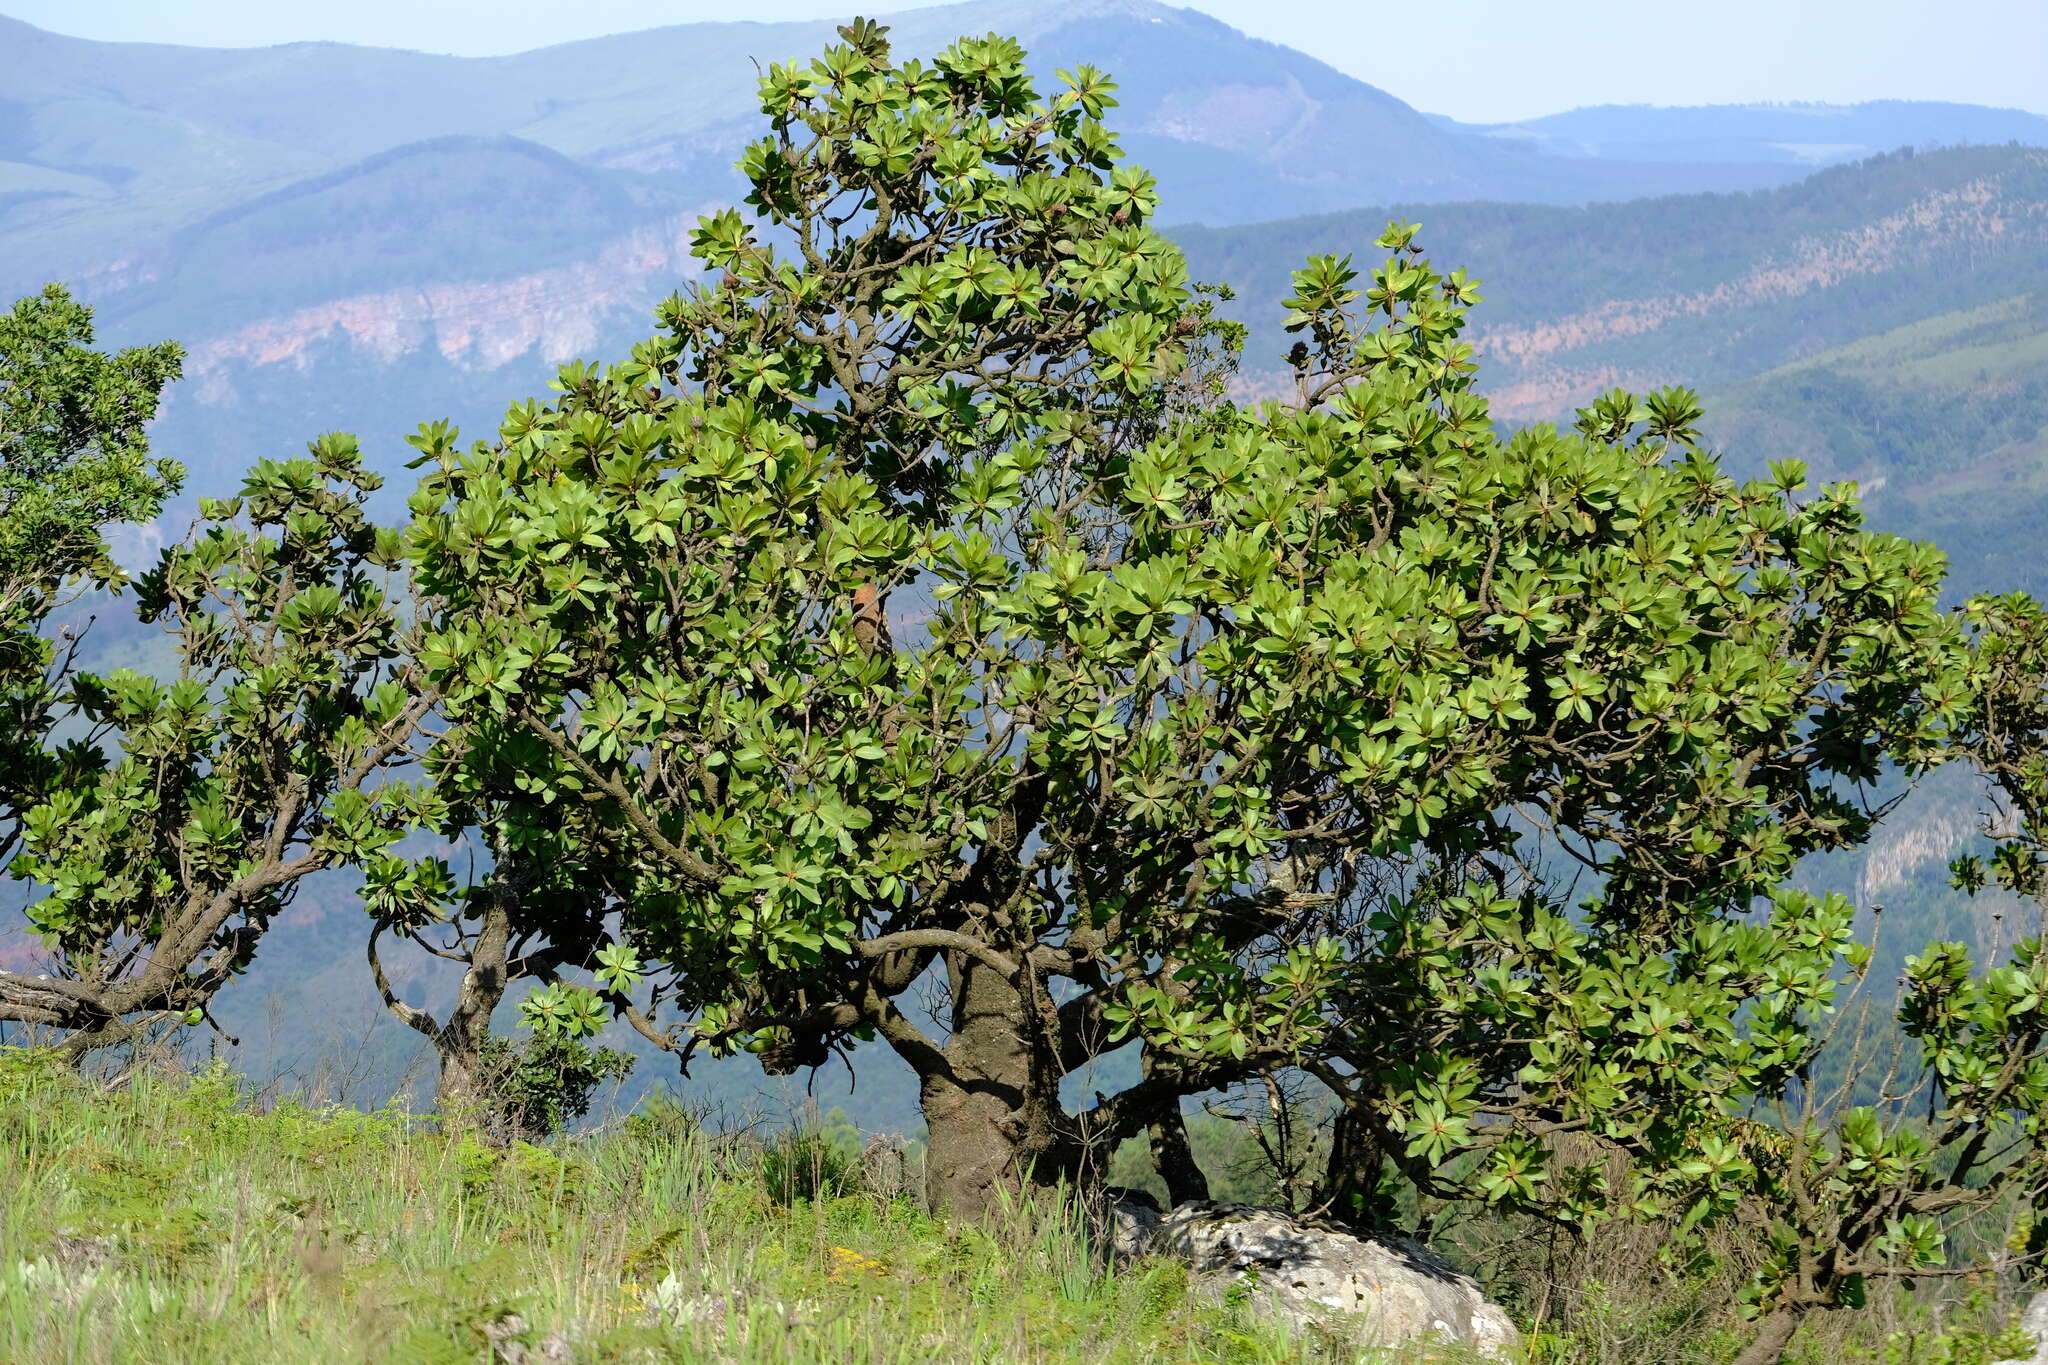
(1884, 321)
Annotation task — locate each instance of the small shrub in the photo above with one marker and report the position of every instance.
(544, 1173)
(541, 1084)
(663, 1120)
(812, 1161)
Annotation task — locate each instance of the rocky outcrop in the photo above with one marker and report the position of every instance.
(559, 312)
(1377, 1292)
(1975, 212)
(2035, 1320)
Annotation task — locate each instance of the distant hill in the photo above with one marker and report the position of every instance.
(107, 148)
(360, 237)
(1811, 135)
(1884, 320)
(304, 217)
(1945, 420)
(307, 217)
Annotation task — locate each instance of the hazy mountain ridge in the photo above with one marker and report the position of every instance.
(111, 139)
(1802, 134)
(1559, 281)
(1908, 284)
(278, 209)
(104, 146)
(531, 204)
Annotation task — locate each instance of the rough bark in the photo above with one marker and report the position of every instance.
(1351, 1180)
(1773, 1335)
(461, 1091)
(991, 1100)
(82, 1043)
(1175, 1161)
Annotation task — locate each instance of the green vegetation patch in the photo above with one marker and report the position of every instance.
(169, 1219)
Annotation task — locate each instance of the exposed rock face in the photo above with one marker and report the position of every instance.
(2035, 1320)
(561, 312)
(1382, 1292)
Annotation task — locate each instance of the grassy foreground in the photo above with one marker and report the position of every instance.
(169, 1219)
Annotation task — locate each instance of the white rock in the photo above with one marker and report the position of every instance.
(1382, 1292)
(1131, 1223)
(2035, 1320)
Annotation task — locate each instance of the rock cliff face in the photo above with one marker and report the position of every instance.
(1537, 359)
(1544, 344)
(1706, 290)
(556, 314)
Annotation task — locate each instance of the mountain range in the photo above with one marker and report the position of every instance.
(1886, 321)
(128, 144)
(1809, 135)
(362, 239)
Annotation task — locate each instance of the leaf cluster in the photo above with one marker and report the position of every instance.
(161, 866)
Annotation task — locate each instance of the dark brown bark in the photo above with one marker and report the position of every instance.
(1351, 1177)
(991, 1100)
(82, 1043)
(1773, 1335)
(870, 620)
(1175, 1160)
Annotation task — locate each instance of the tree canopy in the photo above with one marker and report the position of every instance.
(1103, 700)
(73, 455)
(919, 642)
(74, 459)
(161, 865)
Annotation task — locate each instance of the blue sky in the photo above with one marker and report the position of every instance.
(1481, 60)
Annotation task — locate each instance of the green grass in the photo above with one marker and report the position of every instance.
(168, 1219)
(171, 1221)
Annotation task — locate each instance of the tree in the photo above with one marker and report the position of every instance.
(73, 460)
(1888, 1185)
(941, 262)
(1089, 695)
(535, 906)
(1024, 296)
(1844, 1194)
(256, 766)
(1723, 669)
(1715, 1048)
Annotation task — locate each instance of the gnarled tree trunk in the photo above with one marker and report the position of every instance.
(1351, 1180)
(991, 1099)
(1773, 1335)
(461, 1091)
(1174, 1159)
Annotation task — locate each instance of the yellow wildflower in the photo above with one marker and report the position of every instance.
(846, 1261)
